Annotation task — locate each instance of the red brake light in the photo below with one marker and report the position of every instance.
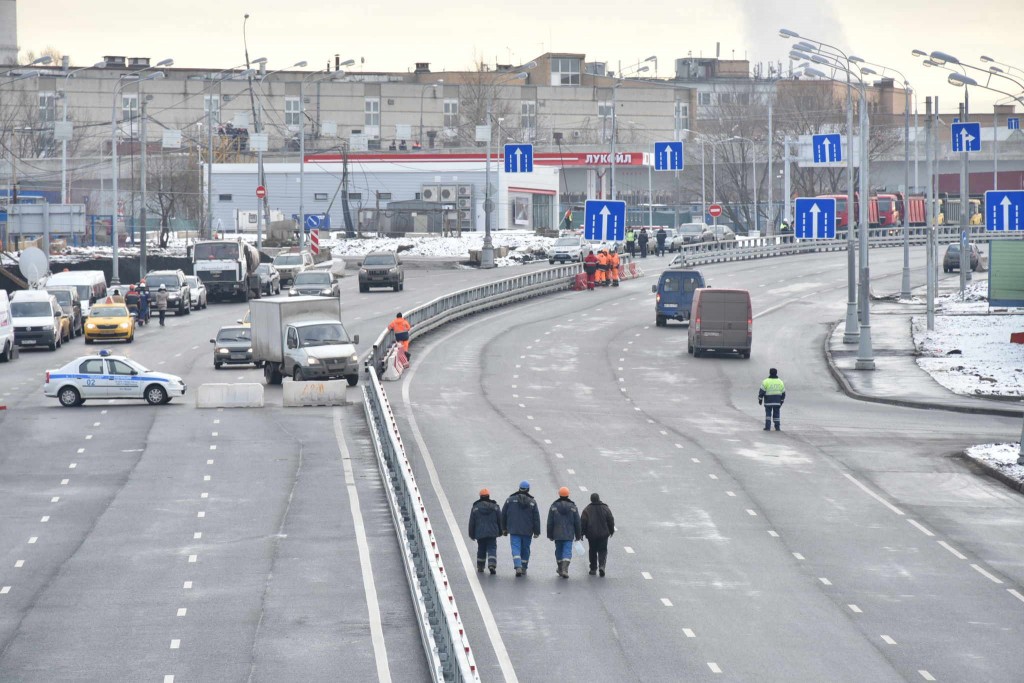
(47, 377)
(657, 298)
(696, 321)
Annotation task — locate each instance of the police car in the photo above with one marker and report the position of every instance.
(106, 376)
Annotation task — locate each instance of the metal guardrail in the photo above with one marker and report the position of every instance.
(445, 643)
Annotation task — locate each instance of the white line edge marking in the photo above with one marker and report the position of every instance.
(715, 669)
(956, 553)
(987, 575)
(874, 495)
(888, 640)
(925, 675)
(689, 633)
(666, 602)
(1015, 593)
(854, 608)
(376, 629)
(921, 528)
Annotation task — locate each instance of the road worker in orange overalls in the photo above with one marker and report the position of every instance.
(400, 326)
(602, 268)
(613, 265)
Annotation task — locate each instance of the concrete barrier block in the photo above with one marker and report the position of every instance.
(248, 395)
(335, 392)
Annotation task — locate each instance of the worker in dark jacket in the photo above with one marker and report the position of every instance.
(590, 268)
(484, 528)
(598, 525)
(659, 240)
(520, 520)
(642, 240)
(563, 529)
(773, 395)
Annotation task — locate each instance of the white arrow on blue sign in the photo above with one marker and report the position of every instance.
(827, 148)
(1005, 210)
(316, 221)
(815, 218)
(518, 158)
(1013, 123)
(966, 137)
(604, 220)
(668, 156)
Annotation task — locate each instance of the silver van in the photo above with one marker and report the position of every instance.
(721, 321)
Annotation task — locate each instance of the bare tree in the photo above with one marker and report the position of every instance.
(484, 88)
(174, 190)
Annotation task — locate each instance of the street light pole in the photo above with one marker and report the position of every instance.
(753, 179)
(423, 92)
(64, 143)
(302, 145)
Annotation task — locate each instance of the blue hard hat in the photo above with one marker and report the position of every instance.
(524, 485)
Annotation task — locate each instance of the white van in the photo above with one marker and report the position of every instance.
(91, 286)
(6, 328)
(38, 319)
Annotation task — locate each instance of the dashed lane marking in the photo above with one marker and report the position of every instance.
(920, 528)
(629, 551)
(797, 555)
(824, 581)
(731, 494)
(19, 564)
(187, 585)
(5, 590)
(715, 669)
(72, 465)
(44, 519)
(688, 632)
(773, 534)
(646, 575)
(888, 640)
(956, 553)
(987, 575)
(197, 535)
(65, 482)
(175, 643)
(81, 450)
(200, 514)
(696, 460)
(751, 513)
(182, 611)
(855, 609)
(666, 602)
(678, 445)
(55, 499)
(713, 476)
(583, 489)
(925, 675)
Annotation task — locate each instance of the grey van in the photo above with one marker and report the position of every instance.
(721, 320)
(674, 292)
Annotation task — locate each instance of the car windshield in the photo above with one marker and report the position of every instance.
(192, 280)
(153, 282)
(108, 312)
(233, 334)
(263, 269)
(567, 242)
(30, 309)
(311, 277)
(690, 228)
(379, 260)
(319, 335)
(953, 249)
(288, 260)
(885, 205)
(208, 251)
(63, 296)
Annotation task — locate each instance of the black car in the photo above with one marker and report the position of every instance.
(951, 261)
(179, 294)
(314, 283)
(270, 279)
(233, 346)
(381, 269)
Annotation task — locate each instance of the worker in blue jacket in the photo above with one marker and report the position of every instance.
(773, 395)
(484, 528)
(520, 520)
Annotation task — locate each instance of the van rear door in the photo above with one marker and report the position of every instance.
(723, 318)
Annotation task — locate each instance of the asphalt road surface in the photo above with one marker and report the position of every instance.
(856, 545)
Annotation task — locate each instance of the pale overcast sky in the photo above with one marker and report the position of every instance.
(392, 36)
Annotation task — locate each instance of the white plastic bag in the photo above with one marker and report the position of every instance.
(578, 549)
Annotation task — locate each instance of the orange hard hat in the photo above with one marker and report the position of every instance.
(564, 492)
(484, 493)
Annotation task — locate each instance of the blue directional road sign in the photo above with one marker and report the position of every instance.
(314, 221)
(604, 220)
(966, 137)
(1013, 123)
(815, 218)
(668, 156)
(827, 148)
(1005, 210)
(518, 158)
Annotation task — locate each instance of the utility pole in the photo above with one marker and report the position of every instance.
(770, 226)
(929, 213)
(142, 190)
(209, 168)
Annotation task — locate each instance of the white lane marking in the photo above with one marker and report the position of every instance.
(206, 477)
(751, 513)
(182, 611)
(168, 679)
(177, 355)
(622, 360)
(920, 528)
(194, 348)
(88, 437)
(192, 559)
(824, 581)
(55, 499)
(571, 471)
(187, 585)
(715, 669)
(176, 643)
(216, 422)
(731, 494)
(583, 489)
(773, 534)
(666, 602)
(796, 555)
(678, 445)
(529, 417)
(956, 553)
(95, 424)
(5, 590)
(45, 518)
(515, 386)
(200, 514)
(103, 412)
(197, 535)
(925, 675)
(1015, 593)
(547, 441)
(689, 633)
(81, 450)
(204, 495)
(646, 575)
(874, 495)
(19, 564)
(214, 434)
(629, 551)
(369, 587)
(713, 476)
(993, 579)
(537, 429)
(209, 462)
(888, 640)
(697, 460)
(64, 482)
(72, 465)
(650, 421)
(522, 405)
(855, 609)
(559, 455)
(213, 447)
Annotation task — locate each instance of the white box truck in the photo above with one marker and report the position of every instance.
(302, 337)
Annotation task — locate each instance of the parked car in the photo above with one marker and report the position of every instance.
(233, 346)
(951, 261)
(179, 296)
(689, 233)
(381, 269)
(91, 285)
(270, 279)
(6, 328)
(196, 292)
(674, 295)
(719, 233)
(721, 320)
(567, 250)
(38, 319)
(108, 377)
(291, 263)
(314, 283)
(70, 302)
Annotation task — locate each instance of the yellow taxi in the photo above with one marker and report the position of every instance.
(109, 321)
(245, 321)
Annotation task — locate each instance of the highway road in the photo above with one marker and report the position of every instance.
(856, 545)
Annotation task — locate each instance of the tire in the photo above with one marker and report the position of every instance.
(130, 339)
(352, 380)
(397, 287)
(689, 349)
(216, 366)
(660, 321)
(5, 357)
(697, 353)
(363, 289)
(271, 374)
(89, 341)
(155, 395)
(401, 286)
(297, 374)
(55, 343)
(69, 397)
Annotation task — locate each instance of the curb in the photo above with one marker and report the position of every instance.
(997, 473)
(840, 379)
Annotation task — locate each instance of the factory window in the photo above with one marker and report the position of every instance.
(320, 196)
(451, 114)
(292, 113)
(528, 115)
(372, 111)
(224, 197)
(682, 116)
(211, 107)
(705, 98)
(565, 71)
(47, 107)
(129, 107)
(604, 110)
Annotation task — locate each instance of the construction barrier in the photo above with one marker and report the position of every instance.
(229, 396)
(395, 364)
(335, 392)
(579, 283)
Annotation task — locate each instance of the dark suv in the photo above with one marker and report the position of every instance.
(951, 261)
(381, 269)
(179, 295)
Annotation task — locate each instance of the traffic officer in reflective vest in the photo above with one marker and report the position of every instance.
(772, 395)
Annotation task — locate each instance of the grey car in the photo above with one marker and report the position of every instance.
(270, 279)
(951, 260)
(314, 283)
(233, 346)
(68, 299)
(381, 269)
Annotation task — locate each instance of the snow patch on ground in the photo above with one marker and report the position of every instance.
(999, 456)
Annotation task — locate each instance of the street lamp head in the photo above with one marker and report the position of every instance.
(41, 61)
(804, 46)
(643, 69)
(818, 59)
(347, 62)
(797, 55)
(261, 60)
(855, 59)
(99, 65)
(811, 71)
(919, 53)
(786, 33)
(868, 71)
(944, 57)
(986, 59)
(165, 62)
(299, 65)
(652, 58)
(960, 80)
(531, 65)
(931, 62)
(995, 69)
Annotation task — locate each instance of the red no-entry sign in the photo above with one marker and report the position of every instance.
(715, 210)
(261, 192)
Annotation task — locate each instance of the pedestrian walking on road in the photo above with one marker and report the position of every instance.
(400, 326)
(161, 303)
(642, 240)
(484, 528)
(598, 525)
(631, 242)
(520, 521)
(773, 394)
(563, 528)
(659, 241)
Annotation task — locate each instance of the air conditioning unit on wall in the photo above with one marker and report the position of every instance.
(448, 193)
(465, 203)
(465, 190)
(429, 193)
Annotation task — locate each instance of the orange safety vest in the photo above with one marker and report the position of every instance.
(602, 261)
(401, 327)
